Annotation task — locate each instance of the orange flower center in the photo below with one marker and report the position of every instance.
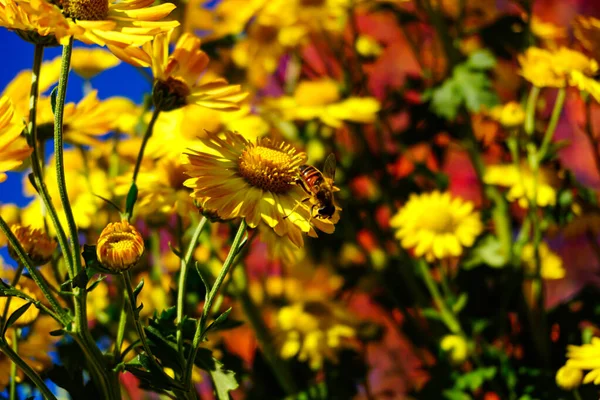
(86, 10)
(267, 168)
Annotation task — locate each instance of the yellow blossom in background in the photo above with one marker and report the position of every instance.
(436, 226)
(547, 30)
(585, 84)
(119, 246)
(544, 68)
(119, 25)
(13, 148)
(16, 302)
(521, 184)
(587, 32)
(568, 378)
(509, 115)
(313, 332)
(551, 263)
(457, 348)
(11, 215)
(368, 47)
(154, 294)
(88, 63)
(585, 357)
(98, 301)
(35, 242)
(236, 178)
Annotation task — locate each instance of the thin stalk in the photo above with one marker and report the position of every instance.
(147, 135)
(4, 315)
(37, 162)
(201, 326)
(185, 265)
(30, 372)
(13, 368)
(120, 331)
(530, 110)
(556, 111)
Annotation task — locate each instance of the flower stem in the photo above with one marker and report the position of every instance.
(30, 372)
(147, 135)
(13, 368)
(530, 110)
(201, 326)
(4, 315)
(120, 331)
(185, 265)
(556, 111)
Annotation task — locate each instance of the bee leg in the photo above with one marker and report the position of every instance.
(298, 205)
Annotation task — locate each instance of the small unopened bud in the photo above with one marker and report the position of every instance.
(456, 347)
(568, 378)
(36, 243)
(119, 246)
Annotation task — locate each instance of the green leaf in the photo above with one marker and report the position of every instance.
(164, 349)
(96, 283)
(481, 59)
(131, 199)
(474, 379)
(53, 95)
(454, 394)
(223, 380)
(15, 316)
(57, 332)
(460, 303)
(447, 99)
(81, 279)
(488, 251)
(220, 320)
(204, 280)
(476, 88)
(431, 313)
(137, 290)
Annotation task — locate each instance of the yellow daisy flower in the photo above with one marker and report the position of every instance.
(87, 63)
(457, 348)
(587, 31)
(437, 226)
(509, 115)
(13, 148)
(176, 76)
(585, 84)
(111, 23)
(544, 68)
(568, 378)
(520, 182)
(551, 263)
(585, 357)
(255, 181)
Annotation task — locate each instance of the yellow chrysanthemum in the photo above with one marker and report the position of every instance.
(586, 357)
(313, 332)
(35, 242)
(88, 63)
(587, 31)
(551, 263)
(547, 30)
(437, 226)
(568, 378)
(116, 24)
(544, 68)
(16, 302)
(13, 148)
(255, 181)
(585, 84)
(368, 47)
(119, 246)
(509, 115)
(457, 348)
(521, 184)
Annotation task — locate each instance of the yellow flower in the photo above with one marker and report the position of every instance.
(117, 24)
(368, 47)
(521, 184)
(13, 148)
(437, 226)
(119, 246)
(313, 332)
(176, 76)
(255, 181)
(585, 357)
(545, 68)
(587, 31)
(457, 348)
(547, 30)
(585, 84)
(551, 263)
(509, 115)
(16, 302)
(38, 246)
(88, 63)
(568, 378)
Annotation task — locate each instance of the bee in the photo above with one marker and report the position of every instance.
(319, 186)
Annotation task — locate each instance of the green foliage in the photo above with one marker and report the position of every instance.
(487, 251)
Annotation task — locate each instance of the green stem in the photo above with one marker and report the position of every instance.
(576, 394)
(185, 264)
(30, 372)
(147, 135)
(120, 331)
(4, 315)
(447, 316)
(556, 111)
(35, 275)
(13, 368)
(37, 162)
(530, 110)
(201, 326)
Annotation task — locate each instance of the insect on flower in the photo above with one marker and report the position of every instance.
(319, 186)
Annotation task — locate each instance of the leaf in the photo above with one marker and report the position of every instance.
(96, 283)
(53, 96)
(460, 303)
(454, 394)
(220, 320)
(488, 251)
(15, 316)
(473, 380)
(131, 199)
(431, 313)
(164, 349)
(223, 380)
(204, 280)
(137, 290)
(446, 99)
(57, 332)
(81, 279)
(481, 59)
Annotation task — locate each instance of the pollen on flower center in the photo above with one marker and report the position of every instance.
(267, 168)
(86, 10)
(439, 221)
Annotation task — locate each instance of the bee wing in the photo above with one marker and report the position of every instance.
(329, 167)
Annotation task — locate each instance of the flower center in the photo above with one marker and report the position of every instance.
(86, 10)
(312, 3)
(438, 220)
(267, 168)
(170, 94)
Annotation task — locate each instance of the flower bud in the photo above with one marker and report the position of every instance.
(169, 95)
(568, 378)
(36, 243)
(456, 347)
(119, 246)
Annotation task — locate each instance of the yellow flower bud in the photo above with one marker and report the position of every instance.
(37, 244)
(119, 246)
(457, 348)
(568, 378)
